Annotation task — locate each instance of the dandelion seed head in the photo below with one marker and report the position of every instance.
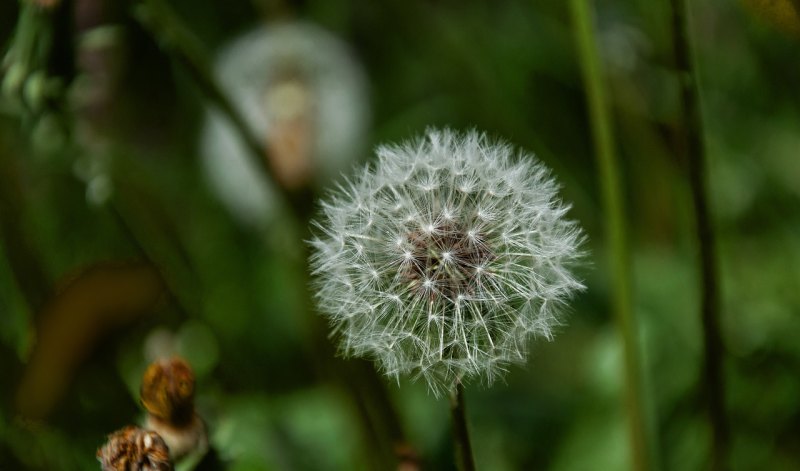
(472, 252)
(274, 76)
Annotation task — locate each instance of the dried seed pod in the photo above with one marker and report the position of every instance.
(134, 449)
(167, 393)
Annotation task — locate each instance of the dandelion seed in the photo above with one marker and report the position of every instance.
(472, 252)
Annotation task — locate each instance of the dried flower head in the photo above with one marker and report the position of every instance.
(443, 258)
(134, 449)
(167, 392)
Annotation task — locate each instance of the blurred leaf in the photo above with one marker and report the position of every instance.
(86, 308)
(783, 14)
(14, 313)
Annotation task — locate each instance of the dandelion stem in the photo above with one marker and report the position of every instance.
(692, 148)
(462, 445)
(183, 47)
(612, 200)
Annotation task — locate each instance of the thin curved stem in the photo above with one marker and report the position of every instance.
(461, 441)
(692, 149)
(183, 47)
(616, 232)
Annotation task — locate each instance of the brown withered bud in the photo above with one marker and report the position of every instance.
(168, 395)
(168, 391)
(134, 449)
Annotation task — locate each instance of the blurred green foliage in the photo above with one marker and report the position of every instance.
(236, 300)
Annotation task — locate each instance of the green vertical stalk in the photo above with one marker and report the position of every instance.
(463, 445)
(619, 259)
(692, 149)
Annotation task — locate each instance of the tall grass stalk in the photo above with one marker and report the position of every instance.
(612, 201)
(692, 149)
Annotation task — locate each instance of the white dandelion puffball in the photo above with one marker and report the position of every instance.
(304, 96)
(443, 258)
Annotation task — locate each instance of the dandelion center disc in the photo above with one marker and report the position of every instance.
(445, 262)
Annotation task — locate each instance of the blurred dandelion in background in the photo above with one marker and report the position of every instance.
(302, 92)
(445, 257)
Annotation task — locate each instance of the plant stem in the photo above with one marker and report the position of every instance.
(178, 41)
(174, 274)
(691, 146)
(610, 182)
(463, 446)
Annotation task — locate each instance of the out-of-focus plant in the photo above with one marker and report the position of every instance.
(36, 69)
(691, 146)
(610, 180)
(89, 306)
(303, 94)
(368, 393)
(783, 14)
